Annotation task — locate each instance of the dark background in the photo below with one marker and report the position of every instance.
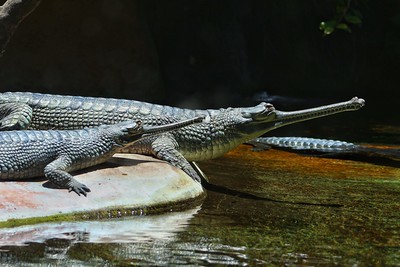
(208, 54)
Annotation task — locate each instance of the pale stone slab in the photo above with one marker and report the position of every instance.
(125, 182)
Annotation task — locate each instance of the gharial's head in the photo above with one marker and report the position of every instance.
(124, 132)
(262, 118)
(253, 121)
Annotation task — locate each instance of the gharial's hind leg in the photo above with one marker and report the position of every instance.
(55, 172)
(15, 116)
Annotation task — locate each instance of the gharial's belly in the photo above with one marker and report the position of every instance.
(207, 152)
(11, 172)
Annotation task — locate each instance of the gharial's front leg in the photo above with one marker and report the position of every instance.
(15, 116)
(55, 172)
(165, 148)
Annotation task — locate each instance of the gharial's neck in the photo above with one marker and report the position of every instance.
(212, 138)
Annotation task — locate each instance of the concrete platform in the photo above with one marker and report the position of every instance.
(126, 185)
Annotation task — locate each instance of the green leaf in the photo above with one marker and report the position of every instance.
(327, 26)
(353, 19)
(322, 26)
(343, 26)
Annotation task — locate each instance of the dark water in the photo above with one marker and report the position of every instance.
(297, 211)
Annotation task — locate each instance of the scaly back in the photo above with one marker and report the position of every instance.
(76, 112)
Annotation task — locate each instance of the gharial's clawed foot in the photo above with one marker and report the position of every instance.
(10, 123)
(78, 188)
(15, 116)
(7, 126)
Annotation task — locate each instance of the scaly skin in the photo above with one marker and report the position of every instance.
(221, 131)
(305, 143)
(54, 153)
(331, 149)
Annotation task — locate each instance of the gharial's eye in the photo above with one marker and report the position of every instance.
(269, 107)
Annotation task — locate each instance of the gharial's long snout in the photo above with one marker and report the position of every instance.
(283, 118)
(171, 126)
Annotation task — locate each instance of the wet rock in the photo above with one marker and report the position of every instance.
(125, 185)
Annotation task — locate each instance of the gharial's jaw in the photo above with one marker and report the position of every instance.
(270, 118)
(151, 130)
(131, 131)
(288, 117)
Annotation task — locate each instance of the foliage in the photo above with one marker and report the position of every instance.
(346, 16)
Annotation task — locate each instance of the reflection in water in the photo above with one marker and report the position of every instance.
(134, 229)
(148, 240)
(71, 241)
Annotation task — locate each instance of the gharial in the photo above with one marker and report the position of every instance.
(54, 153)
(222, 129)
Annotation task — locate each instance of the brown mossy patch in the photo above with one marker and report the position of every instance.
(276, 160)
